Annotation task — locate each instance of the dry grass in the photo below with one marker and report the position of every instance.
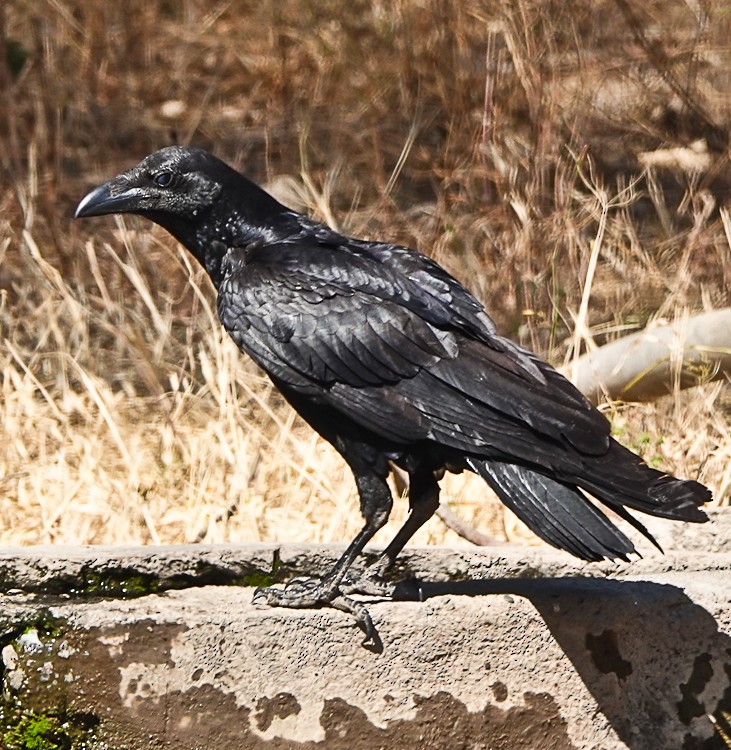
(568, 167)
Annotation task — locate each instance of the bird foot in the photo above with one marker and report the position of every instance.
(370, 582)
(299, 593)
(304, 593)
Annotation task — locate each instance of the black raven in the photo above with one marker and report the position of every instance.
(391, 359)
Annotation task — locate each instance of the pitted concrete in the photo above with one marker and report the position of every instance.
(511, 648)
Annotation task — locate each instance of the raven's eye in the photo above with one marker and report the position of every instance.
(163, 179)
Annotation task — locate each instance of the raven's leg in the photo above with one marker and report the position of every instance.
(375, 503)
(423, 500)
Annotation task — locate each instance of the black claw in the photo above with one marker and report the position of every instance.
(372, 640)
(261, 596)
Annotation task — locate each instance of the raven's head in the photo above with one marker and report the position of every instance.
(203, 202)
(172, 182)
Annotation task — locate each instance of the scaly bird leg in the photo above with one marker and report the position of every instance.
(424, 500)
(300, 593)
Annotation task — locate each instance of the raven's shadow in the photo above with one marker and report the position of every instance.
(656, 662)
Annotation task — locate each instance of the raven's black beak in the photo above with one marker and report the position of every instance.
(108, 199)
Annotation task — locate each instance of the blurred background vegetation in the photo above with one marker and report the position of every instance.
(497, 137)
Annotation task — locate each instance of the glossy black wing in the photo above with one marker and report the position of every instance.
(320, 323)
(385, 330)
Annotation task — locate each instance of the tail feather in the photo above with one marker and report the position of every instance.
(625, 515)
(621, 478)
(558, 513)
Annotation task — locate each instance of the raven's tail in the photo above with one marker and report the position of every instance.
(558, 512)
(620, 477)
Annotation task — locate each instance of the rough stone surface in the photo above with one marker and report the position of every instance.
(511, 648)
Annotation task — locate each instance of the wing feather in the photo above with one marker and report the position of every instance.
(323, 318)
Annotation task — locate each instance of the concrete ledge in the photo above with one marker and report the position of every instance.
(512, 648)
